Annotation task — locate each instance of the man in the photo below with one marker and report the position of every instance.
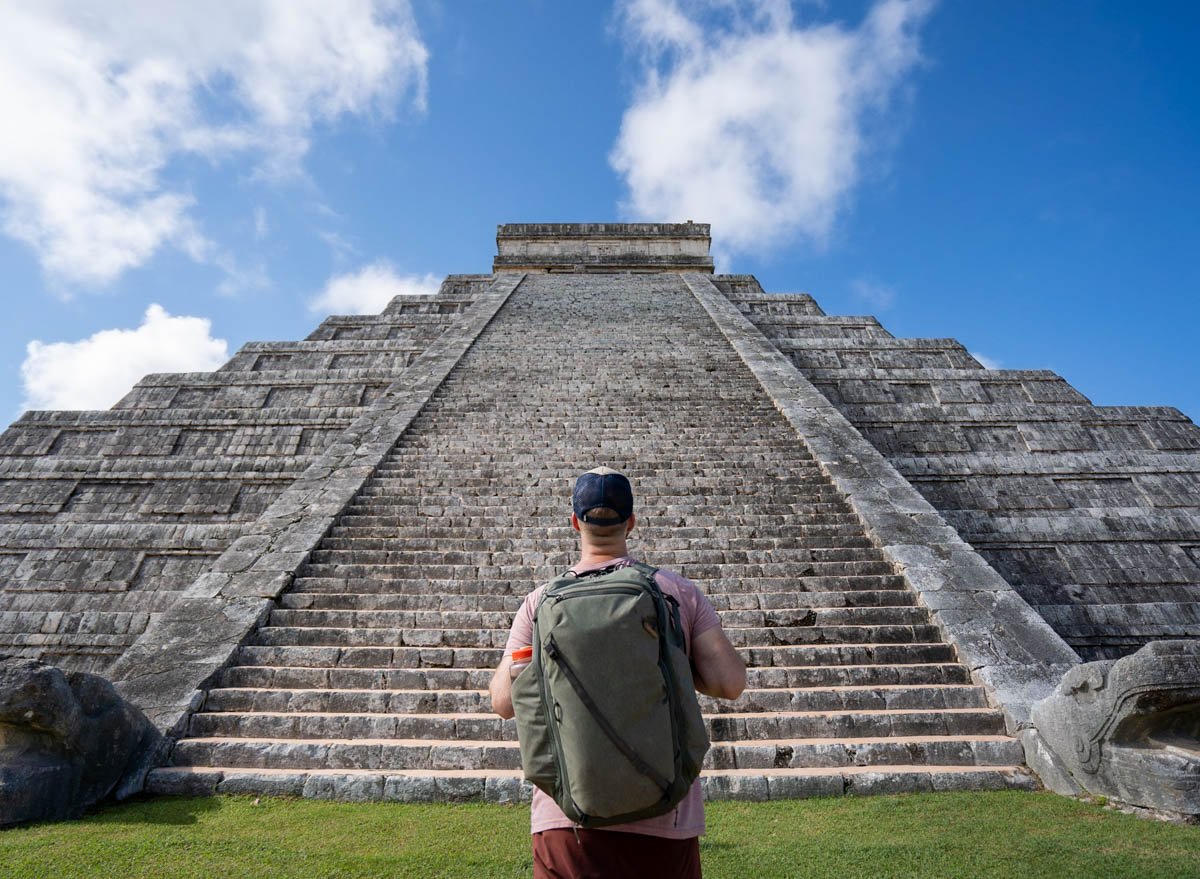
(666, 846)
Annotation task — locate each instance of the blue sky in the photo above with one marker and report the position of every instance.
(1021, 176)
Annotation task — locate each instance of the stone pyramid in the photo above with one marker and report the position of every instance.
(303, 566)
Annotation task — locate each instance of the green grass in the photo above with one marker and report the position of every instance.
(1008, 834)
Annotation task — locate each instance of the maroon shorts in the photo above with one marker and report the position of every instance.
(612, 854)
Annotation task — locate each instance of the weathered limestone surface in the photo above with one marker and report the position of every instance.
(997, 635)
(1128, 729)
(67, 741)
(1092, 513)
(315, 551)
(368, 680)
(106, 518)
(165, 670)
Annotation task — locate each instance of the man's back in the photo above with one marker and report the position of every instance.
(666, 846)
(696, 617)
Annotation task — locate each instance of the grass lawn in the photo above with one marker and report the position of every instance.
(1013, 835)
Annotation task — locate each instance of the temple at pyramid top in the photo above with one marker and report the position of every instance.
(603, 247)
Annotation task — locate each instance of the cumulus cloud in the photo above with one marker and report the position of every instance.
(99, 101)
(97, 371)
(370, 289)
(751, 121)
(985, 361)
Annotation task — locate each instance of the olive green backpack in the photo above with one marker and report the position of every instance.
(607, 715)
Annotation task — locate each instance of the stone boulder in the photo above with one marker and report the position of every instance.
(67, 741)
(1127, 729)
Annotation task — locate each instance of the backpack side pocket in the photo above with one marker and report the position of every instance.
(533, 730)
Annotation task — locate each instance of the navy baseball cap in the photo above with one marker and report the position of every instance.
(602, 487)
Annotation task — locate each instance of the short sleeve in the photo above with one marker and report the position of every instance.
(695, 609)
(706, 615)
(521, 633)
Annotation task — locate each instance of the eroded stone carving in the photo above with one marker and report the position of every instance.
(67, 741)
(1128, 729)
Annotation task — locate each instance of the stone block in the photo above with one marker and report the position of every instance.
(872, 783)
(271, 784)
(410, 789)
(795, 787)
(349, 788)
(172, 782)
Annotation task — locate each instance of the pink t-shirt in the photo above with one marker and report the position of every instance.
(697, 616)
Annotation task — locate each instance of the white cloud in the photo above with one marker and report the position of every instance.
(370, 289)
(342, 247)
(872, 294)
(98, 102)
(97, 371)
(747, 120)
(985, 361)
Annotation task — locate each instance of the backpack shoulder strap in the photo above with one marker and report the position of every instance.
(647, 571)
(670, 602)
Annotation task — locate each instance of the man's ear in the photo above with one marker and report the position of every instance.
(629, 523)
(574, 521)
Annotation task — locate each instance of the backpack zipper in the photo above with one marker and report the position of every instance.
(603, 590)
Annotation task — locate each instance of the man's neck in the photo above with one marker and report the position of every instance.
(589, 556)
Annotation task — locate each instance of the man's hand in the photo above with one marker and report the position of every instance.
(501, 688)
(717, 668)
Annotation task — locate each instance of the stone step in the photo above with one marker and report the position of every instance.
(488, 727)
(511, 428)
(350, 678)
(434, 619)
(433, 529)
(555, 470)
(507, 785)
(554, 524)
(489, 658)
(380, 637)
(497, 442)
(456, 566)
(356, 701)
(809, 505)
(753, 548)
(412, 473)
(303, 677)
(484, 603)
(320, 636)
(510, 403)
(425, 701)
(516, 515)
(664, 488)
(515, 407)
(407, 754)
(343, 580)
(791, 617)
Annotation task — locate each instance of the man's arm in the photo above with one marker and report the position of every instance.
(717, 669)
(501, 689)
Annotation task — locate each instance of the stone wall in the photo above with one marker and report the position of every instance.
(1091, 512)
(106, 517)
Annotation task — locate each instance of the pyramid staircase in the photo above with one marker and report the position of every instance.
(369, 679)
(1091, 513)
